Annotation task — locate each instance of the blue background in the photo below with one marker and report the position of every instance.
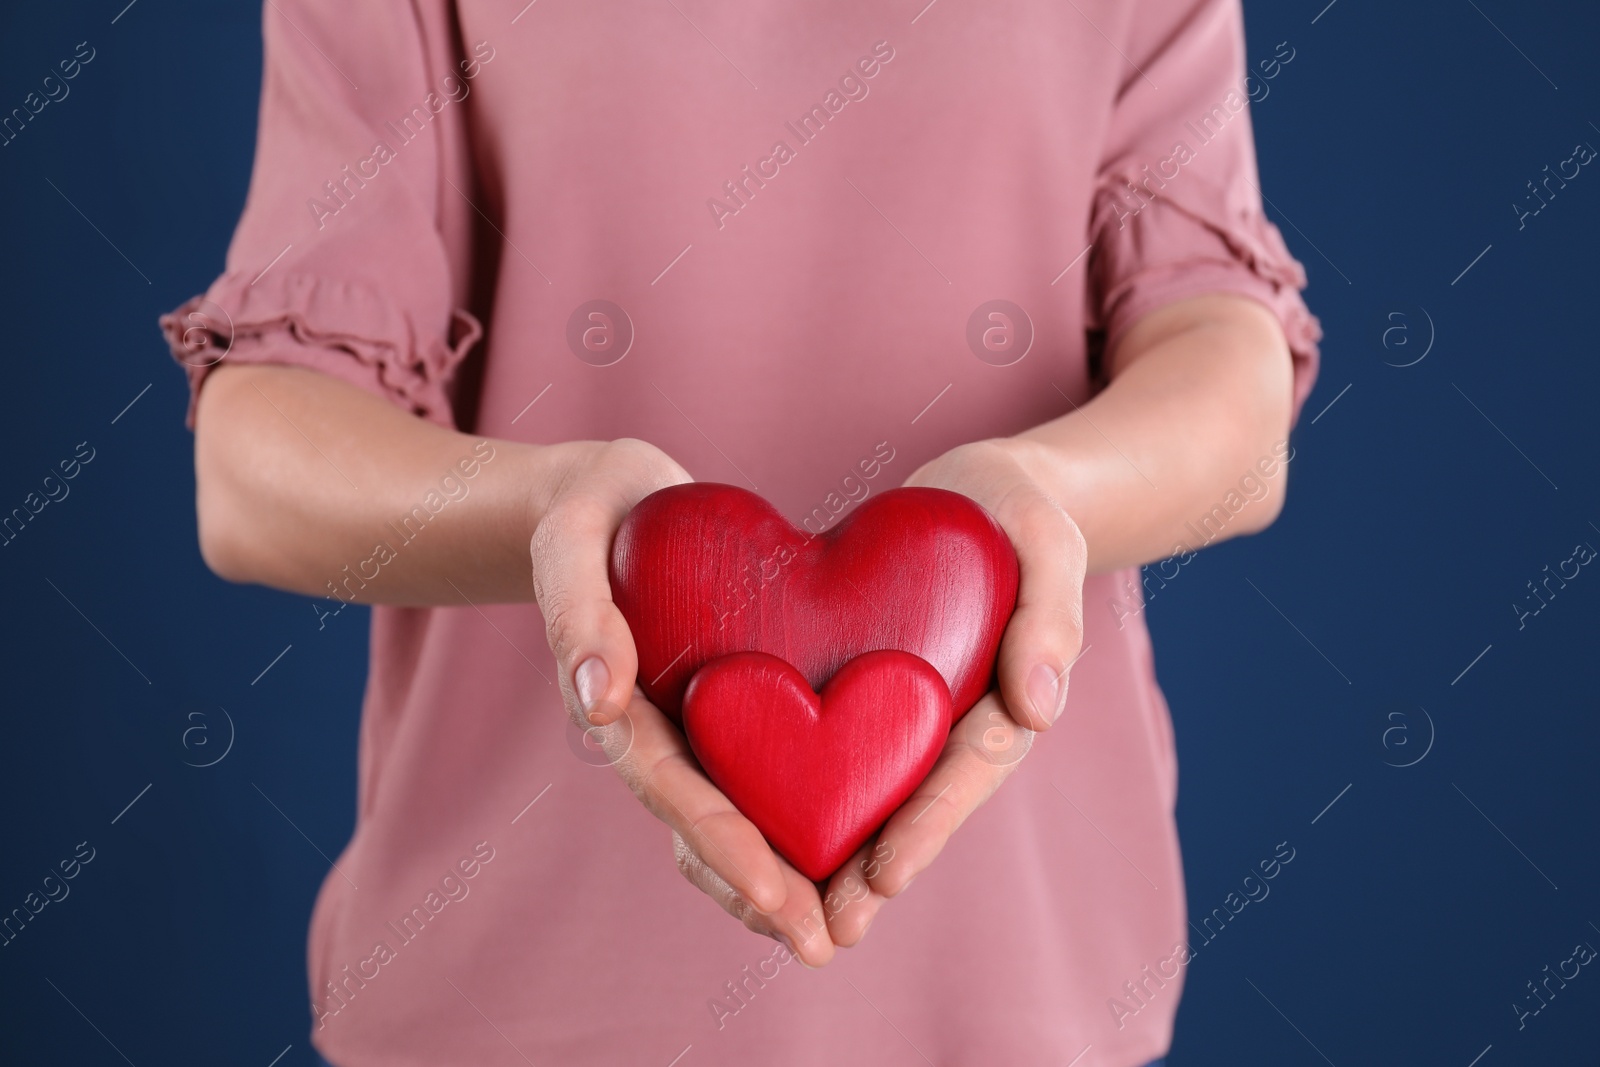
(1302, 665)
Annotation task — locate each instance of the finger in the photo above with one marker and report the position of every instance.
(1045, 633)
(594, 651)
(802, 922)
(849, 903)
(967, 774)
(795, 923)
(571, 549)
(658, 766)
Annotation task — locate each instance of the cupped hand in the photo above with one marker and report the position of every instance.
(577, 513)
(718, 850)
(1040, 644)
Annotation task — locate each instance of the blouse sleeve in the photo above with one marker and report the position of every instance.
(1177, 210)
(348, 258)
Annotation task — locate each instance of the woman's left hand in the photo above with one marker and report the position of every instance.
(1039, 645)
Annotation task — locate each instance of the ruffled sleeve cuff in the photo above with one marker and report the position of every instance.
(343, 328)
(1175, 247)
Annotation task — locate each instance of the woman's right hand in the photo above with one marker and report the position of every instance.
(717, 849)
(577, 511)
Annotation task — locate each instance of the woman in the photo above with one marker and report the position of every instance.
(489, 253)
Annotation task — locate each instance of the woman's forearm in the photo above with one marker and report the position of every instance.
(308, 484)
(1186, 445)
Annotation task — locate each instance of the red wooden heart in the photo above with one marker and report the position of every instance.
(817, 776)
(703, 570)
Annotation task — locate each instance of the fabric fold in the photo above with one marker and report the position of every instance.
(1159, 242)
(341, 327)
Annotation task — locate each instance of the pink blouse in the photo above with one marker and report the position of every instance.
(776, 240)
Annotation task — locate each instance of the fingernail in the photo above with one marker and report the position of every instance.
(903, 888)
(591, 679)
(1046, 692)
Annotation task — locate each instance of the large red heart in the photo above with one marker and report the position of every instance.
(817, 775)
(703, 570)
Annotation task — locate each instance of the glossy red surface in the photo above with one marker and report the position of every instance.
(703, 570)
(817, 775)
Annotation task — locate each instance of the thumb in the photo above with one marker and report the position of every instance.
(1046, 631)
(594, 651)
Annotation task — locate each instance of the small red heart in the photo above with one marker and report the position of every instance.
(817, 775)
(703, 570)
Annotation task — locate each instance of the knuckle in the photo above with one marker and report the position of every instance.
(1055, 625)
(741, 909)
(700, 824)
(987, 451)
(687, 860)
(628, 455)
(563, 626)
(1022, 508)
(640, 458)
(1077, 545)
(942, 811)
(651, 783)
(627, 769)
(550, 543)
(1043, 519)
(646, 782)
(630, 448)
